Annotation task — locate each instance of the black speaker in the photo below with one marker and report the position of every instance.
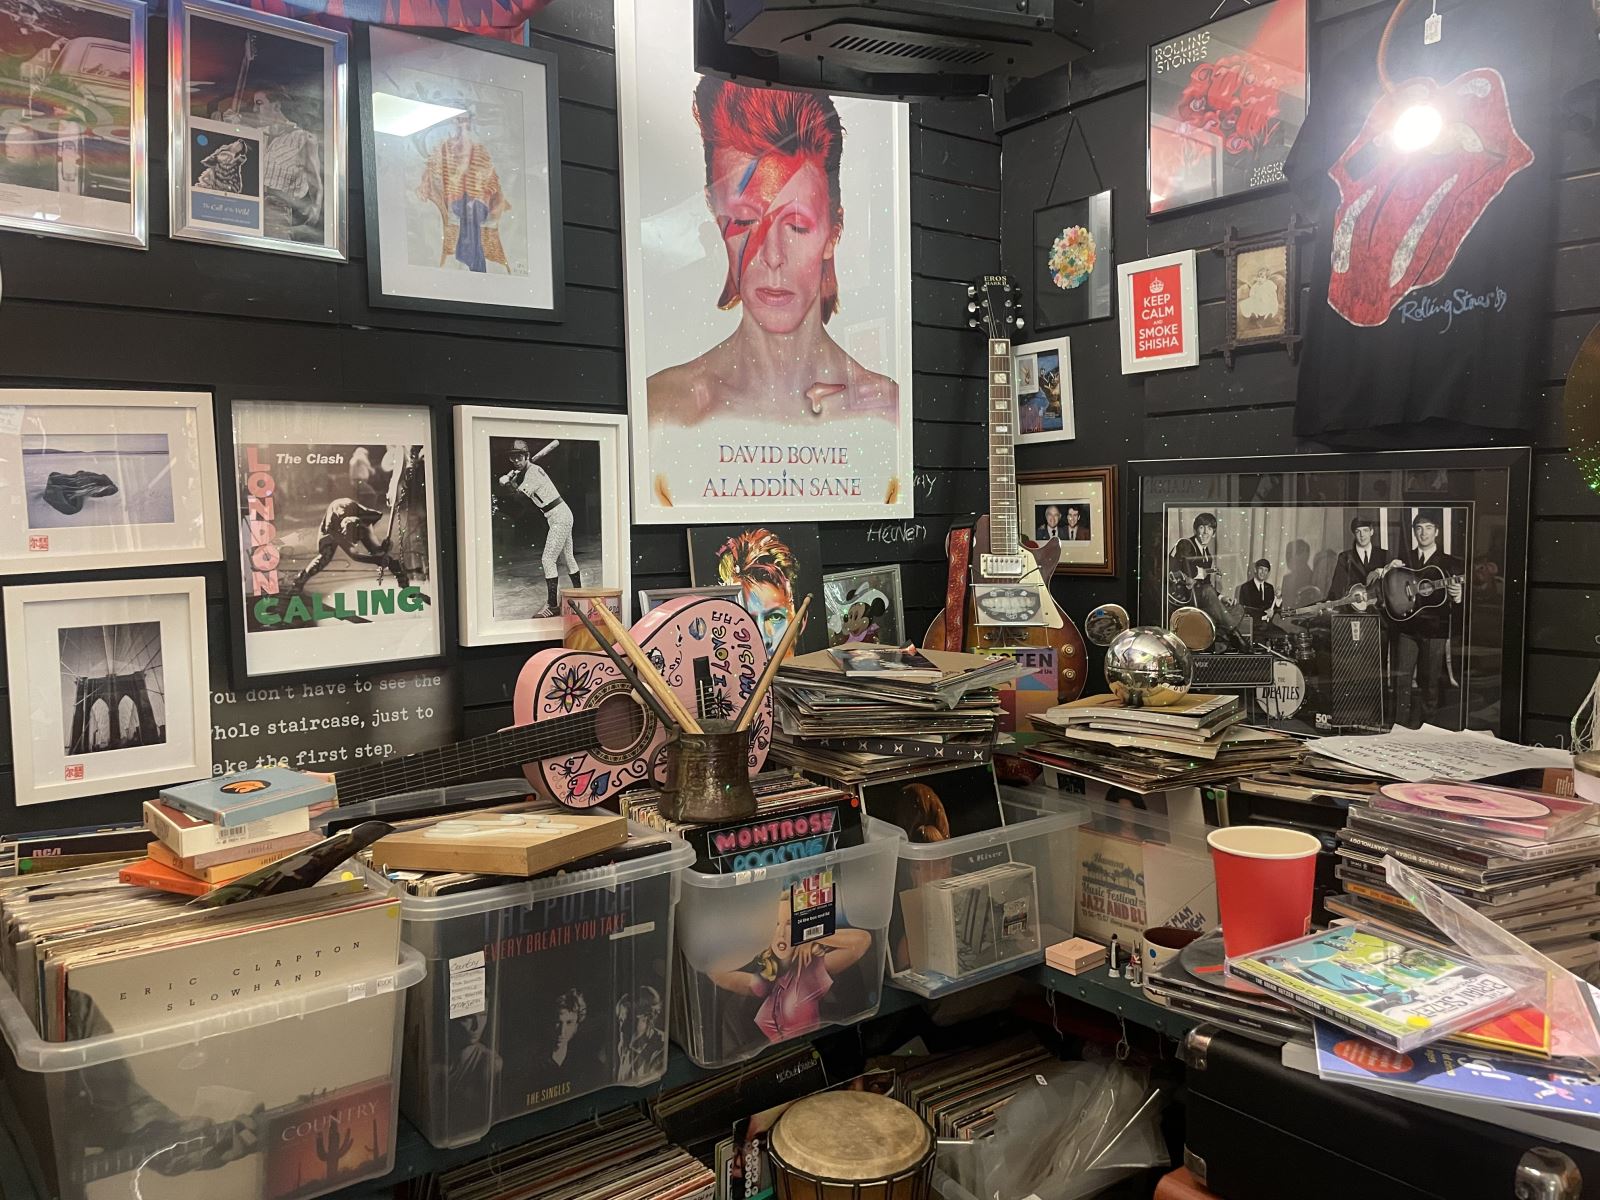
(1356, 670)
(1230, 672)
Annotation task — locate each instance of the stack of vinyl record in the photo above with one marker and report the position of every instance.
(1315, 779)
(961, 1095)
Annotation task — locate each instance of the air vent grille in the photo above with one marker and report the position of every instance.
(908, 51)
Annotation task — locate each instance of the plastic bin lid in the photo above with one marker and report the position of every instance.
(1039, 817)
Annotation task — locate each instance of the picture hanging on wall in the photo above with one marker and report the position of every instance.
(1043, 374)
(75, 163)
(865, 606)
(1074, 262)
(775, 567)
(1226, 102)
(333, 543)
(1263, 283)
(461, 153)
(257, 155)
(541, 506)
(92, 480)
(1156, 313)
(1076, 508)
(757, 219)
(110, 686)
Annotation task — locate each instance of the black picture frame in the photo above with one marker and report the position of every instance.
(1259, 261)
(1262, 168)
(1271, 506)
(377, 297)
(1054, 306)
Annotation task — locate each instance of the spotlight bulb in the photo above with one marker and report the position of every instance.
(1417, 128)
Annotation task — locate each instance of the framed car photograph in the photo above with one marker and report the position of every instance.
(541, 506)
(1043, 374)
(461, 158)
(333, 543)
(75, 162)
(865, 606)
(256, 120)
(1074, 262)
(110, 686)
(95, 480)
(1076, 508)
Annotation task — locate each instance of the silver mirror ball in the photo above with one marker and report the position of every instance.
(1148, 668)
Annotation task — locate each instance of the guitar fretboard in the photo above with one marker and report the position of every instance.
(1002, 457)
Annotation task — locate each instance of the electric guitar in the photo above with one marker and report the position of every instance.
(1404, 591)
(1357, 595)
(1009, 607)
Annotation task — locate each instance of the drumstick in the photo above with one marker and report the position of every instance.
(748, 712)
(647, 670)
(622, 666)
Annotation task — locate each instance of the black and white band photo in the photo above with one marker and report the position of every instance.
(547, 523)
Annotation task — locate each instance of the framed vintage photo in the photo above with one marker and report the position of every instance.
(75, 162)
(541, 506)
(1156, 313)
(650, 598)
(94, 480)
(256, 120)
(109, 683)
(1074, 262)
(757, 219)
(1263, 285)
(1043, 373)
(1362, 591)
(1225, 105)
(333, 546)
(775, 567)
(1078, 509)
(461, 155)
(865, 606)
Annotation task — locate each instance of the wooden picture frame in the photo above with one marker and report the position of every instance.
(1085, 488)
(1263, 290)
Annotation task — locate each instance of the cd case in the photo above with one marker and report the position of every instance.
(1514, 812)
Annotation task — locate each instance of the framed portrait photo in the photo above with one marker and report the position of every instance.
(1043, 373)
(333, 548)
(865, 607)
(110, 687)
(256, 120)
(75, 163)
(541, 507)
(461, 153)
(1078, 510)
(1225, 105)
(653, 598)
(1263, 283)
(1074, 262)
(756, 219)
(774, 567)
(92, 480)
(1156, 313)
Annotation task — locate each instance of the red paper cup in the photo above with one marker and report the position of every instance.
(1264, 884)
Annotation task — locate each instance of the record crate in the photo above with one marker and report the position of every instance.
(985, 904)
(284, 1098)
(775, 953)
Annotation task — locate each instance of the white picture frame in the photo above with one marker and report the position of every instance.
(1155, 277)
(157, 452)
(100, 662)
(585, 472)
(809, 457)
(1035, 365)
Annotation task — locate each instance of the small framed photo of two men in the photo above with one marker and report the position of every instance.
(1076, 509)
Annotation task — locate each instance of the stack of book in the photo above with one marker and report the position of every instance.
(1200, 739)
(210, 833)
(865, 714)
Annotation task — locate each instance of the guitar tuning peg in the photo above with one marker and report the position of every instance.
(972, 289)
(972, 306)
(972, 322)
(1008, 301)
(1020, 322)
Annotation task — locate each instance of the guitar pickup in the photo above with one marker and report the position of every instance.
(1003, 566)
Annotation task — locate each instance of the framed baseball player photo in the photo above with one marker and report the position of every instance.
(541, 503)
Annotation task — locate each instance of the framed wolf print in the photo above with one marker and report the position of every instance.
(256, 121)
(75, 163)
(461, 150)
(333, 555)
(1356, 592)
(541, 506)
(768, 268)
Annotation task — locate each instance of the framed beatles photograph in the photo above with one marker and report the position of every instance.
(1043, 373)
(652, 598)
(1156, 313)
(333, 545)
(775, 567)
(1074, 262)
(75, 163)
(110, 686)
(541, 506)
(1362, 590)
(93, 480)
(757, 220)
(256, 121)
(1078, 509)
(1225, 105)
(461, 154)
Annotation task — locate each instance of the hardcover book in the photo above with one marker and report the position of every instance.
(231, 800)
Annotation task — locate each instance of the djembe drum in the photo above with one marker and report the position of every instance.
(851, 1146)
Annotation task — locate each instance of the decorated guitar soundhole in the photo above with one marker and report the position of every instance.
(710, 653)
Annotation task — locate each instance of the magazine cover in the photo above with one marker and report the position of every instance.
(1396, 992)
(1509, 811)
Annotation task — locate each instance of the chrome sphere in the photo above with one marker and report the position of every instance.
(1103, 625)
(1148, 668)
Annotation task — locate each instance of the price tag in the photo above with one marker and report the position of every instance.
(1432, 29)
(469, 993)
(467, 962)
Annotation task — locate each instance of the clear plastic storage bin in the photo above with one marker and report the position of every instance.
(538, 993)
(285, 1098)
(776, 953)
(985, 904)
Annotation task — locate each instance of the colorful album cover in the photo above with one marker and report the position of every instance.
(332, 1140)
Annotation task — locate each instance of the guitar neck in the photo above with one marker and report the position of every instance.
(1002, 450)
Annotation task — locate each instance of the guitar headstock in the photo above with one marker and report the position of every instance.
(996, 306)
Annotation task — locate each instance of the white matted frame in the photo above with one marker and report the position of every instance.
(484, 482)
(115, 660)
(812, 457)
(1043, 372)
(1145, 299)
(156, 450)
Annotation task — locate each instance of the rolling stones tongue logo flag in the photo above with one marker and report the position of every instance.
(1404, 215)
